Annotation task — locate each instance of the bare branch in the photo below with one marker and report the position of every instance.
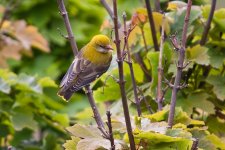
(110, 130)
(160, 69)
(121, 78)
(180, 66)
(71, 37)
(126, 35)
(96, 113)
(207, 26)
(152, 25)
(157, 5)
(195, 145)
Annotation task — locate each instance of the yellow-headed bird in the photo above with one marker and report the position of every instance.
(90, 63)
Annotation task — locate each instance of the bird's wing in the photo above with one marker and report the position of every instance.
(81, 73)
(88, 75)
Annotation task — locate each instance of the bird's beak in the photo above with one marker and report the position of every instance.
(109, 47)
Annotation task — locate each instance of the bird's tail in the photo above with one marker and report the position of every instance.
(65, 95)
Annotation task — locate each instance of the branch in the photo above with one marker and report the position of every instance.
(121, 78)
(73, 45)
(145, 100)
(70, 36)
(180, 66)
(10, 6)
(129, 62)
(195, 145)
(152, 25)
(107, 7)
(140, 62)
(160, 69)
(157, 5)
(207, 26)
(110, 130)
(109, 10)
(97, 116)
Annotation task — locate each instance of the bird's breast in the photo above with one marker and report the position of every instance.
(96, 57)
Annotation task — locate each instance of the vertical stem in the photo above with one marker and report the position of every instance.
(110, 130)
(157, 5)
(129, 61)
(207, 26)
(160, 69)
(152, 25)
(179, 66)
(70, 37)
(143, 37)
(121, 78)
(94, 108)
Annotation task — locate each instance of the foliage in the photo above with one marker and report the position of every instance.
(36, 56)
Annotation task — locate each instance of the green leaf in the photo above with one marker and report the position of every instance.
(83, 131)
(154, 60)
(159, 141)
(219, 18)
(23, 117)
(218, 83)
(195, 100)
(63, 119)
(217, 57)
(47, 82)
(71, 144)
(27, 83)
(159, 127)
(4, 86)
(219, 144)
(198, 54)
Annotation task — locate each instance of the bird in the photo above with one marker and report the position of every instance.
(91, 62)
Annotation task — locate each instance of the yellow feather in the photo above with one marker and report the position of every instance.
(96, 57)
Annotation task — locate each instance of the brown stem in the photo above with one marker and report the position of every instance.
(10, 6)
(121, 78)
(195, 145)
(96, 113)
(179, 66)
(152, 25)
(145, 100)
(109, 10)
(144, 39)
(110, 130)
(139, 60)
(73, 44)
(157, 5)
(70, 36)
(207, 26)
(129, 62)
(107, 7)
(160, 69)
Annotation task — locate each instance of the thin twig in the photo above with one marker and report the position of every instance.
(195, 145)
(207, 26)
(70, 37)
(107, 7)
(160, 69)
(108, 114)
(129, 62)
(179, 67)
(140, 62)
(109, 10)
(96, 113)
(121, 78)
(10, 6)
(143, 37)
(73, 44)
(157, 5)
(145, 100)
(152, 25)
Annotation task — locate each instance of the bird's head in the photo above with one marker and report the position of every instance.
(101, 43)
